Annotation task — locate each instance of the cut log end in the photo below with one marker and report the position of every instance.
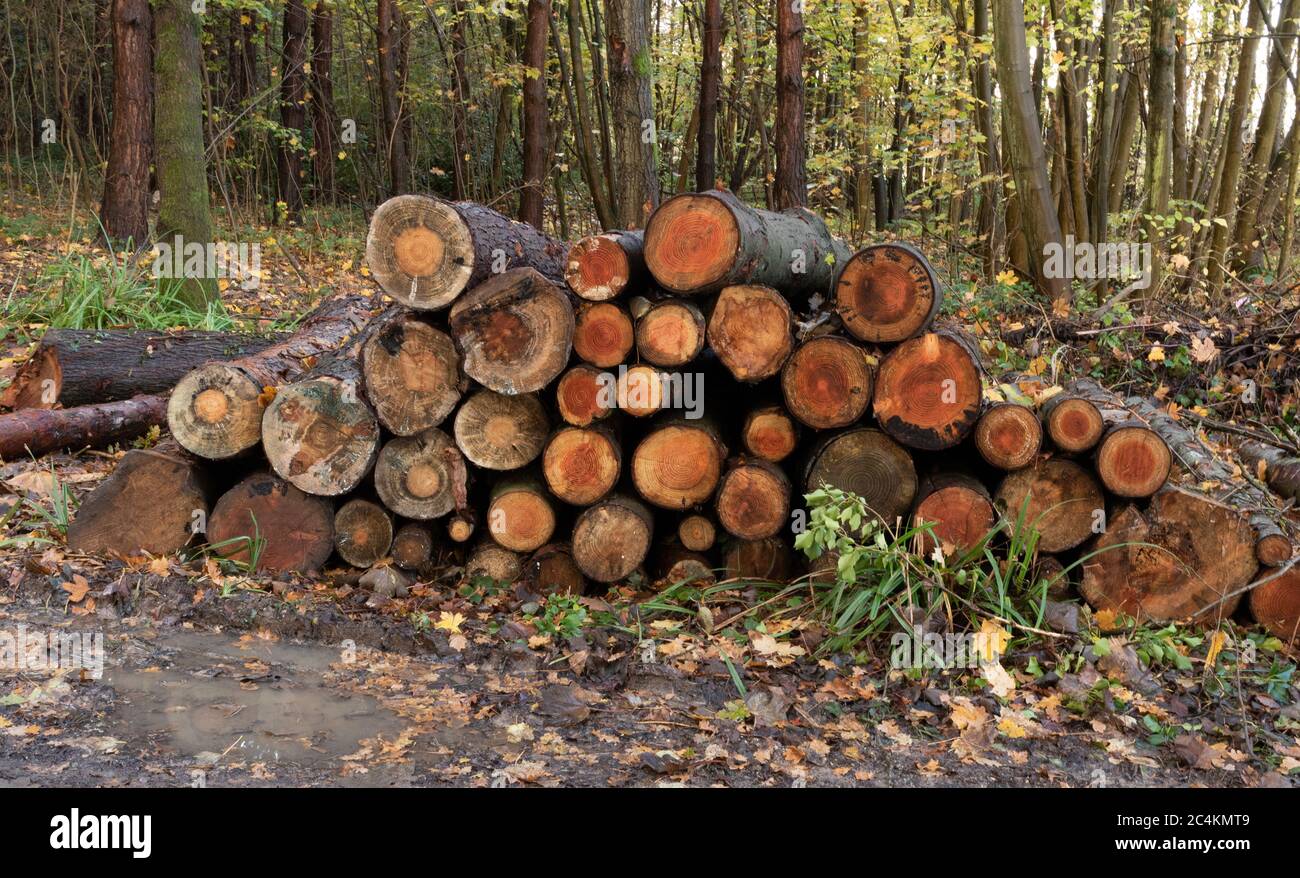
(1273, 549)
(827, 383)
(581, 465)
(412, 374)
(1009, 436)
(749, 330)
(929, 392)
(412, 546)
(552, 570)
(420, 251)
(1075, 425)
(1133, 461)
(691, 243)
(1059, 499)
(670, 333)
(584, 395)
(770, 433)
(612, 538)
(215, 411)
(521, 518)
(769, 560)
(417, 476)
(1276, 605)
(320, 435)
(266, 518)
(363, 532)
(870, 464)
(886, 293)
(461, 526)
(960, 513)
(696, 533)
(499, 432)
(598, 268)
(753, 500)
(603, 334)
(494, 562)
(677, 466)
(641, 391)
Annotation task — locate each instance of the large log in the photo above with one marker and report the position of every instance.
(600, 267)
(520, 515)
(699, 243)
(678, 464)
(153, 502)
(516, 331)
(72, 367)
(753, 499)
(1058, 498)
(602, 334)
(419, 476)
(39, 431)
(1186, 555)
(749, 330)
(425, 252)
(412, 373)
(499, 432)
(363, 532)
(495, 562)
(266, 516)
(959, 510)
(671, 332)
(1275, 603)
(612, 537)
(215, 411)
(929, 391)
(640, 391)
(769, 560)
(868, 463)
(319, 432)
(827, 382)
(1008, 435)
(1132, 459)
(887, 292)
(581, 464)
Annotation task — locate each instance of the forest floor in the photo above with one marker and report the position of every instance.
(216, 677)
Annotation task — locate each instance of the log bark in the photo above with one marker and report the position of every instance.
(870, 464)
(266, 516)
(582, 464)
(769, 433)
(827, 382)
(39, 431)
(749, 330)
(412, 546)
(516, 331)
(215, 411)
(319, 433)
(583, 396)
(1008, 435)
(72, 367)
(699, 243)
(601, 267)
(611, 538)
(412, 374)
(697, 533)
(153, 503)
(753, 501)
(670, 333)
(929, 391)
(602, 334)
(552, 570)
(887, 293)
(1275, 604)
(1184, 556)
(363, 532)
(499, 432)
(1274, 467)
(418, 476)
(1058, 498)
(425, 252)
(677, 465)
(520, 515)
(959, 509)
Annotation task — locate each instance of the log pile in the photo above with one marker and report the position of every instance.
(649, 406)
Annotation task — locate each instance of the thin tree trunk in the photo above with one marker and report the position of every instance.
(293, 112)
(636, 177)
(322, 102)
(706, 164)
(531, 196)
(1160, 131)
(125, 211)
(388, 33)
(790, 188)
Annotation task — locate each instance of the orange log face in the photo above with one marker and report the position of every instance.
(886, 293)
(677, 467)
(521, 520)
(1058, 498)
(413, 376)
(581, 465)
(691, 242)
(670, 334)
(769, 433)
(753, 501)
(827, 383)
(295, 531)
(928, 392)
(1133, 462)
(1009, 436)
(603, 334)
(1075, 425)
(583, 396)
(961, 518)
(597, 268)
(1276, 605)
(750, 331)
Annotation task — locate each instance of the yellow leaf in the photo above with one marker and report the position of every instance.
(449, 622)
(1010, 728)
(77, 588)
(1217, 642)
(1157, 354)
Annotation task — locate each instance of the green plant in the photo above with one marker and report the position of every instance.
(560, 615)
(254, 545)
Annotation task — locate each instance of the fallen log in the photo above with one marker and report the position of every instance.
(678, 464)
(1056, 497)
(958, 508)
(494, 562)
(827, 382)
(515, 330)
(417, 476)
(424, 252)
(601, 267)
(1186, 555)
(582, 464)
(412, 374)
(749, 330)
(1274, 467)
(1132, 459)
(611, 538)
(769, 433)
(769, 560)
(1074, 424)
(886, 293)
(39, 431)
(929, 391)
(74, 367)
(1275, 603)
(699, 243)
(266, 522)
(215, 411)
(363, 532)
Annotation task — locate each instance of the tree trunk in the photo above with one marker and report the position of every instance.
(700, 243)
(387, 32)
(125, 211)
(363, 532)
(887, 292)
(827, 382)
(992, 224)
(531, 198)
(636, 171)
(180, 162)
(582, 464)
(323, 118)
(601, 267)
(611, 538)
(706, 163)
(293, 108)
(1275, 468)
(425, 252)
(1160, 131)
(790, 189)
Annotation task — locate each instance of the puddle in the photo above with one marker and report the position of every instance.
(248, 701)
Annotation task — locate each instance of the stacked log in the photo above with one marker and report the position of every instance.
(655, 405)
